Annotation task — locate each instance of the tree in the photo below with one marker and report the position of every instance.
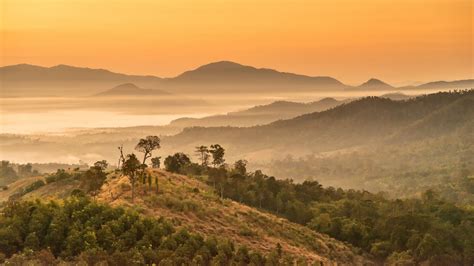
(203, 153)
(6, 170)
(94, 178)
(101, 165)
(147, 146)
(217, 152)
(25, 169)
(241, 167)
(121, 158)
(156, 162)
(176, 162)
(131, 166)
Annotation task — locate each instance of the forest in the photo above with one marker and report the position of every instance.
(80, 230)
(408, 231)
(413, 230)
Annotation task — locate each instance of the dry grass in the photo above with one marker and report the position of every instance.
(200, 210)
(17, 186)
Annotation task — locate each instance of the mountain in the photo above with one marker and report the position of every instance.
(64, 80)
(230, 77)
(457, 84)
(259, 115)
(222, 77)
(130, 89)
(362, 122)
(375, 84)
(396, 96)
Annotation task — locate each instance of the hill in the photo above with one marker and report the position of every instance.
(230, 77)
(375, 84)
(192, 205)
(63, 80)
(456, 84)
(396, 96)
(400, 147)
(360, 122)
(130, 89)
(221, 77)
(259, 115)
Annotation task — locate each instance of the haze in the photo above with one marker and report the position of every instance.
(402, 42)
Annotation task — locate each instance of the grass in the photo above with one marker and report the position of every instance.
(190, 203)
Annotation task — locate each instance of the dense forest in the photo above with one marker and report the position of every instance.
(445, 165)
(425, 229)
(79, 230)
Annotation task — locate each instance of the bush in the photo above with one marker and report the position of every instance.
(34, 186)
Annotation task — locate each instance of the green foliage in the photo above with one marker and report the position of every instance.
(93, 179)
(83, 230)
(425, 229)
(147, 146)
(33, 186)
(131, 167)
(60, 174)
(176, 162)
(217, 152)
(156, 162)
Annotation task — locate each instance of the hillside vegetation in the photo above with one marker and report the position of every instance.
(186, 203)
(400, 147)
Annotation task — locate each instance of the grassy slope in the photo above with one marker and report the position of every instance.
(205, 213)
(200, 210)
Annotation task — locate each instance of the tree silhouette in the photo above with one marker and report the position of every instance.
(156, 162)
(176, 162)
(241, 167)
(217, 152)
(131, 166)
(203, 153)
(121, 158)
(147, 146)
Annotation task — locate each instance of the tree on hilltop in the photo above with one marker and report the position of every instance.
(131, 167)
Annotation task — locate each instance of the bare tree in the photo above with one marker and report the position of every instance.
(121, 158)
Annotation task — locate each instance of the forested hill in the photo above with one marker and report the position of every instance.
(259, 115)
(366, 121)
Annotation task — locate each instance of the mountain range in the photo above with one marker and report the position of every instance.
(217, 78)
(366, 121)
(259, 115)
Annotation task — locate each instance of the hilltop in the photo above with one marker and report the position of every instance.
(191, 204)
(359, 122)
(222, 77)
(130, 89)
(259, 115)
(400, 147)
(375, 84)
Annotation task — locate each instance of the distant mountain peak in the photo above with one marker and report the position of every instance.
(221, 64)
(374, 83)
(126, 86)
(129, 89)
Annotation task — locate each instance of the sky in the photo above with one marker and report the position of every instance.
(401, 42)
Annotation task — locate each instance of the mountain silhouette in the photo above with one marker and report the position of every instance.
(259, 115)
(365, 121)
(216, 78)
(130, 89)
(230, 77)
(375, 84)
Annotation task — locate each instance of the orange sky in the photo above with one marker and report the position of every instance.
(352, 40)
